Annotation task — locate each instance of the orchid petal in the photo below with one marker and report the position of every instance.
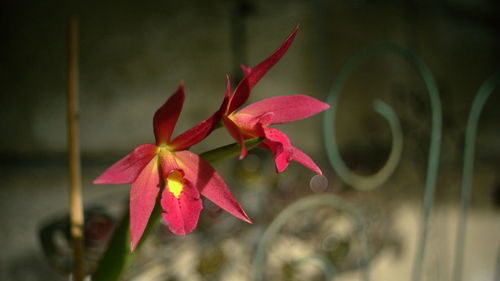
(167, 115)
(285, 108)
(280, 146)
(197, 133)
(168, 162)
(181, 212)
(304, 159)
(253, 75)
(209, 183)
(234, 131)
(143, 195)
(128, 168)
(252, 125)
(203, 129)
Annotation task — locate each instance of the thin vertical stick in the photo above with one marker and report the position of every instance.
(75, 196)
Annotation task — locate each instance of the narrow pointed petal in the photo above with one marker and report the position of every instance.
(254, 74)
(285, 108)
(143, 195)
(128, 168)
(197, 133)
(167, 115)
(304, 159)
(209, 183)
(235, 133)
(203, 129)
(181, 213)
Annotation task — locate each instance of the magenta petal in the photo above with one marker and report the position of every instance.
(168, 162)
(209, 183)
(286, 108)
(203, 129)
(196, 133)
(253, 125)
(181, 214)
(280, 146)
(166, 116)
(235, 133)
(254, 74)
(281, 158)
(305, 160)
(128, 168)
(143, 195)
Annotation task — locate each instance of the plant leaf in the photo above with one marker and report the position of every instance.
(117, 257)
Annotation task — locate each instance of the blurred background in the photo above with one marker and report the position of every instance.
(133, 56)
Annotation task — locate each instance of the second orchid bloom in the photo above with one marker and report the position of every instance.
(255, 119)
(181, 176)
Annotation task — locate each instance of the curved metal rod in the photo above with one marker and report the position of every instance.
(435, 139)
(303, 205)
(468, 167)
(327, 266)
(351, 178)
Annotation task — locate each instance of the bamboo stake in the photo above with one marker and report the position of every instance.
(75, 196)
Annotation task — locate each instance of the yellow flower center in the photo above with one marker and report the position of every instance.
(175, 183)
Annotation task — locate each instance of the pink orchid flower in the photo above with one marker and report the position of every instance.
(255, 119)
(184, 175)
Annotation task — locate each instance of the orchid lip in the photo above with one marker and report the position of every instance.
(175, 183)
